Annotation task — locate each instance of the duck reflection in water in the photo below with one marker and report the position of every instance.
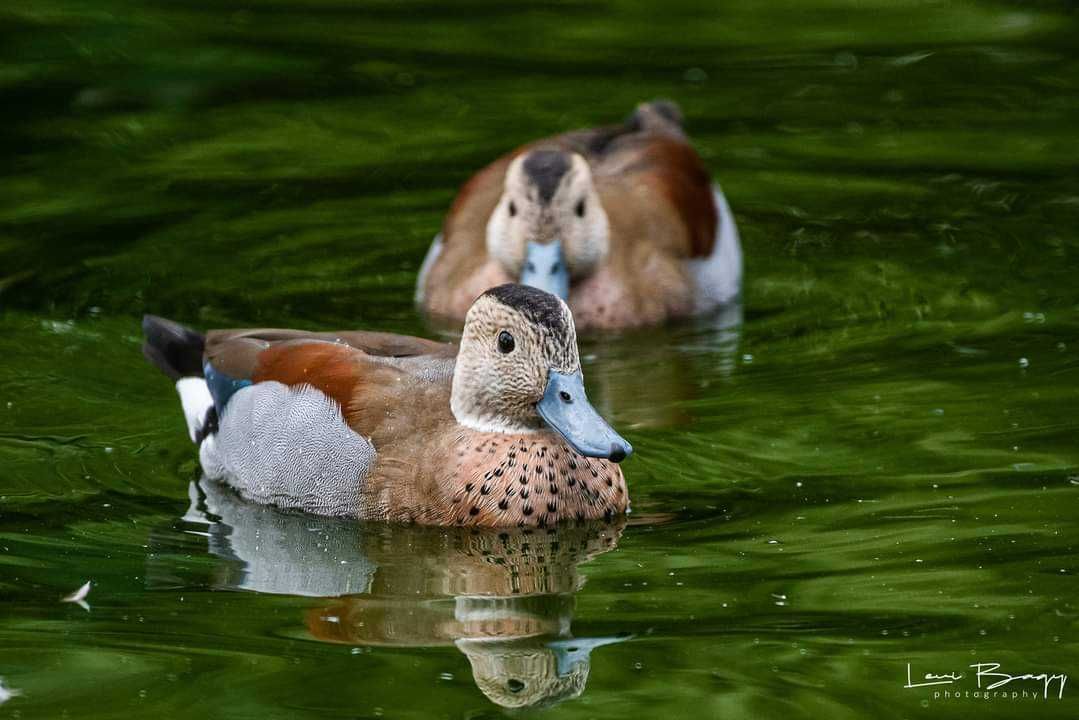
(504, 598)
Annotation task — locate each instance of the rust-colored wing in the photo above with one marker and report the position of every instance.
(236, 352)
(666, 167)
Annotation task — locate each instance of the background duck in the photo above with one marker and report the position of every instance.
(388, 427)
(623, 222)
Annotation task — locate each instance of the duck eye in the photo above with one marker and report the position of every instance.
(580, 208)
(512, 208)
(505, 343)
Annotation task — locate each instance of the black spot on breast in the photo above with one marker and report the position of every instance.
(553, 489)
(502, 505)
(572, 481)
(552, 507)
(524, 494)
(468, 487)
(527, 510)
(474, 511)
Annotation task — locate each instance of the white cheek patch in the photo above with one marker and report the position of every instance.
(196, 401)
(498, 228)
(584, 258)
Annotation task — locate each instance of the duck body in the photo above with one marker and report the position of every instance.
(364, 425)
(643, 232)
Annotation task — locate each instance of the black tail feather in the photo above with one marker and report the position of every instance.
(656, 115)
(174, 349)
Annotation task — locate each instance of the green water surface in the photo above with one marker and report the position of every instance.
(878, 466)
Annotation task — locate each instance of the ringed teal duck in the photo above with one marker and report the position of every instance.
(622, 222)
(496, 433)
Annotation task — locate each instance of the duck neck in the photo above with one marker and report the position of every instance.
(475, 414)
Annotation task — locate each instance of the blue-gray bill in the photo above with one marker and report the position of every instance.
(545, 268)
(566, 409)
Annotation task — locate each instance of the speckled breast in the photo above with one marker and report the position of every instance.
(532, 479)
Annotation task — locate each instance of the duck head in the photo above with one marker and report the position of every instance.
(549, 226)
(518, 371)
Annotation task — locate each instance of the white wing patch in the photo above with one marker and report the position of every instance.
(289, 447)
(195, 400)
(719, 276)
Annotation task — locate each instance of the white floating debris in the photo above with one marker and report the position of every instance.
(7, 693)
(79, 596)
(1024, 363)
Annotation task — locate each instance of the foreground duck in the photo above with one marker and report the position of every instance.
(622, 222)
(388, 427)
